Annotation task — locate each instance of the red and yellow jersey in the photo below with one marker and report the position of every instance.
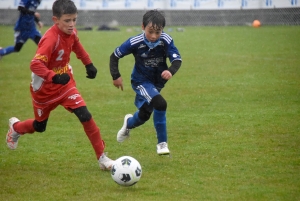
(53, 57)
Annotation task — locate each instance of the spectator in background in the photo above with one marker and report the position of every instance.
(25, 27)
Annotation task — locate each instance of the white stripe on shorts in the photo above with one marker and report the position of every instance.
(144, 93)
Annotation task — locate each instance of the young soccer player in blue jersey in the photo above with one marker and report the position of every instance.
(150, 74)
(25, 26)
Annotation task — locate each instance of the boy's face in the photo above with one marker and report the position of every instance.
(152, 33)
(66, 23)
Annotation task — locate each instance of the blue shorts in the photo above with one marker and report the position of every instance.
(23, 36)
(144, 94)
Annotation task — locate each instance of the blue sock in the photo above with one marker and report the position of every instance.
(7, 50)
(134, 121)
(160, 124)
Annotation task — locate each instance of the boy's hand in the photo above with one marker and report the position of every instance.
(166, 75)
(40, 25)
(37, 15)
(118, 83)
(61, 79)
(91, 71)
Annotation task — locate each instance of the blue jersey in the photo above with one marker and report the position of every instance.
(26, 21)
(149, 63)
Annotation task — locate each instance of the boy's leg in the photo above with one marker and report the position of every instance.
(20, 39)
(160, 124)
(23, 127)
(130, 122)
(73, 102)
(18, 128)
(138, 119)
(36, 36)
(6, 50)
(12, 136)
(93, 133)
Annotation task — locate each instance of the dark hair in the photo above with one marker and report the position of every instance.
(61, 7)
(156, 18)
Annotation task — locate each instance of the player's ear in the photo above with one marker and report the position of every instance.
(143, 28)
(54, 19)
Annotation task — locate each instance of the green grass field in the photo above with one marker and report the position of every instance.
(233, 122)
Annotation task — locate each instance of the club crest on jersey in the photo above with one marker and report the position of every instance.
(40, 112)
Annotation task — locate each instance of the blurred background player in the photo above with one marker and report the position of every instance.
(53, 83)
(25, 26)
(150, 73)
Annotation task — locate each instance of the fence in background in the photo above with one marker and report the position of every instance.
(276, 16)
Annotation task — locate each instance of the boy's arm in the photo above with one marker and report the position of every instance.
(114, 66)
(25, 11)
(39, 64)
(114, 71)
(81, 54)
(175, 66)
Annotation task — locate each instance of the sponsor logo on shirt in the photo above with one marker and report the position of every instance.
(60, 70)
(41, 57)
(153, 62)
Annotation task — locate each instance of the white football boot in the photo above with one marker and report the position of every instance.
(105, 163)
(12, 136)
(123, 133)
(162, 148)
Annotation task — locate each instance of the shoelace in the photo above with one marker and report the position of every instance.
(104, 158)
(163, 145)
(16, 137)
(127, 132)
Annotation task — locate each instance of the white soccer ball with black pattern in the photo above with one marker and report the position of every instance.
(126, 171)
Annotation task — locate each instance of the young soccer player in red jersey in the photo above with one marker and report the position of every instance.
(53, 83)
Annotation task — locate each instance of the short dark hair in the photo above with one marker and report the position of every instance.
(155, 17)
(61, 7)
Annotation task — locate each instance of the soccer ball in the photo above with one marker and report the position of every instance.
(126, 171)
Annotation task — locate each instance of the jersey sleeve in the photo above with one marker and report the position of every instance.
(80, 52)
(171, 49)
(124, 49)
(39, 64)
(173, 53)
(22, 3)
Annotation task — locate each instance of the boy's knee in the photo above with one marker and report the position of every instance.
(40, 126)
(18, 47)
(144, 115)
(83, 114)
(159, 103)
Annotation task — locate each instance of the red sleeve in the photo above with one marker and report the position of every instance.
(80, 51)
(39, 64)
